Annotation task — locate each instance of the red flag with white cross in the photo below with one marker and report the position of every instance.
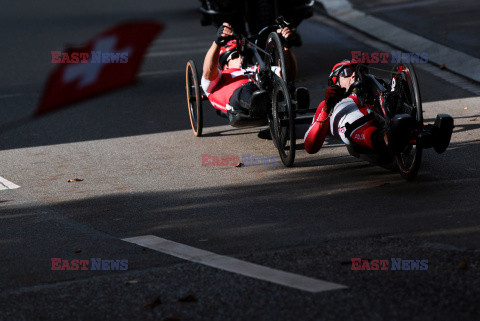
(108, 61)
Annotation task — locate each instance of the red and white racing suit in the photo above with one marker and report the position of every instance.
(222, 87)
(347, 111)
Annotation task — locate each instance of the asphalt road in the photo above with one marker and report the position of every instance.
(142, 174)
(445, 21)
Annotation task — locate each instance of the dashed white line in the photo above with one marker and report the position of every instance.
(5, 184)
(234, 265)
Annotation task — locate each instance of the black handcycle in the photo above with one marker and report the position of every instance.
(400, 95)
(264, 50)
(252, 15)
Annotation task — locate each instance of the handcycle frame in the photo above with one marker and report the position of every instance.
(281, 116)
(400, 96)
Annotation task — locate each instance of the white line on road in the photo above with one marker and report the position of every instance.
(234, 265)
(5, 184)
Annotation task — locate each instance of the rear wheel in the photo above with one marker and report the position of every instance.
(405, 84)
(282, 123)
(194, 99)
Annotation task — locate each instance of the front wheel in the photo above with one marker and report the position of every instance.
(405, 84)
(282, 122)
(277, 61)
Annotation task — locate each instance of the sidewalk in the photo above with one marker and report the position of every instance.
(445, 29)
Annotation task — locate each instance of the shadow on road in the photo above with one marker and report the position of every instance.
(337, 197)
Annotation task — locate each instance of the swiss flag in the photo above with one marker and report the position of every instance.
(74, 82)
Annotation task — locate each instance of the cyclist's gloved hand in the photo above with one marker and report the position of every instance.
(291, 36)
(333, 94)
(224, 34)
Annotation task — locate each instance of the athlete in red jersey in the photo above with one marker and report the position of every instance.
(229, 87)
(350, 121)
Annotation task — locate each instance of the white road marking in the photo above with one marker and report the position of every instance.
(5, 184)
(234, 265)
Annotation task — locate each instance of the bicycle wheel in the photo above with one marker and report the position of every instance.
(275, 49)
(194, 100)
(283, 124)
(405, 84)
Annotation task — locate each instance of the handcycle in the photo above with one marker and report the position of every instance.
(399, 96)
(281, 115)
(253, 15)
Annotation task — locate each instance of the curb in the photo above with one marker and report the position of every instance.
(453, 60)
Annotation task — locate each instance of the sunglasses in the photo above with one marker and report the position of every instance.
(347, 72)
(233, 55)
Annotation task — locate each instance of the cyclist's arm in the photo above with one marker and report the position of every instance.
(290, 60)
(210, 64)
(208, 86)
(315, 135)
(290, 63)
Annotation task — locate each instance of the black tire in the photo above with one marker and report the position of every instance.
(282, 122)
(405, 84)
(275, 48)
(194, 100)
